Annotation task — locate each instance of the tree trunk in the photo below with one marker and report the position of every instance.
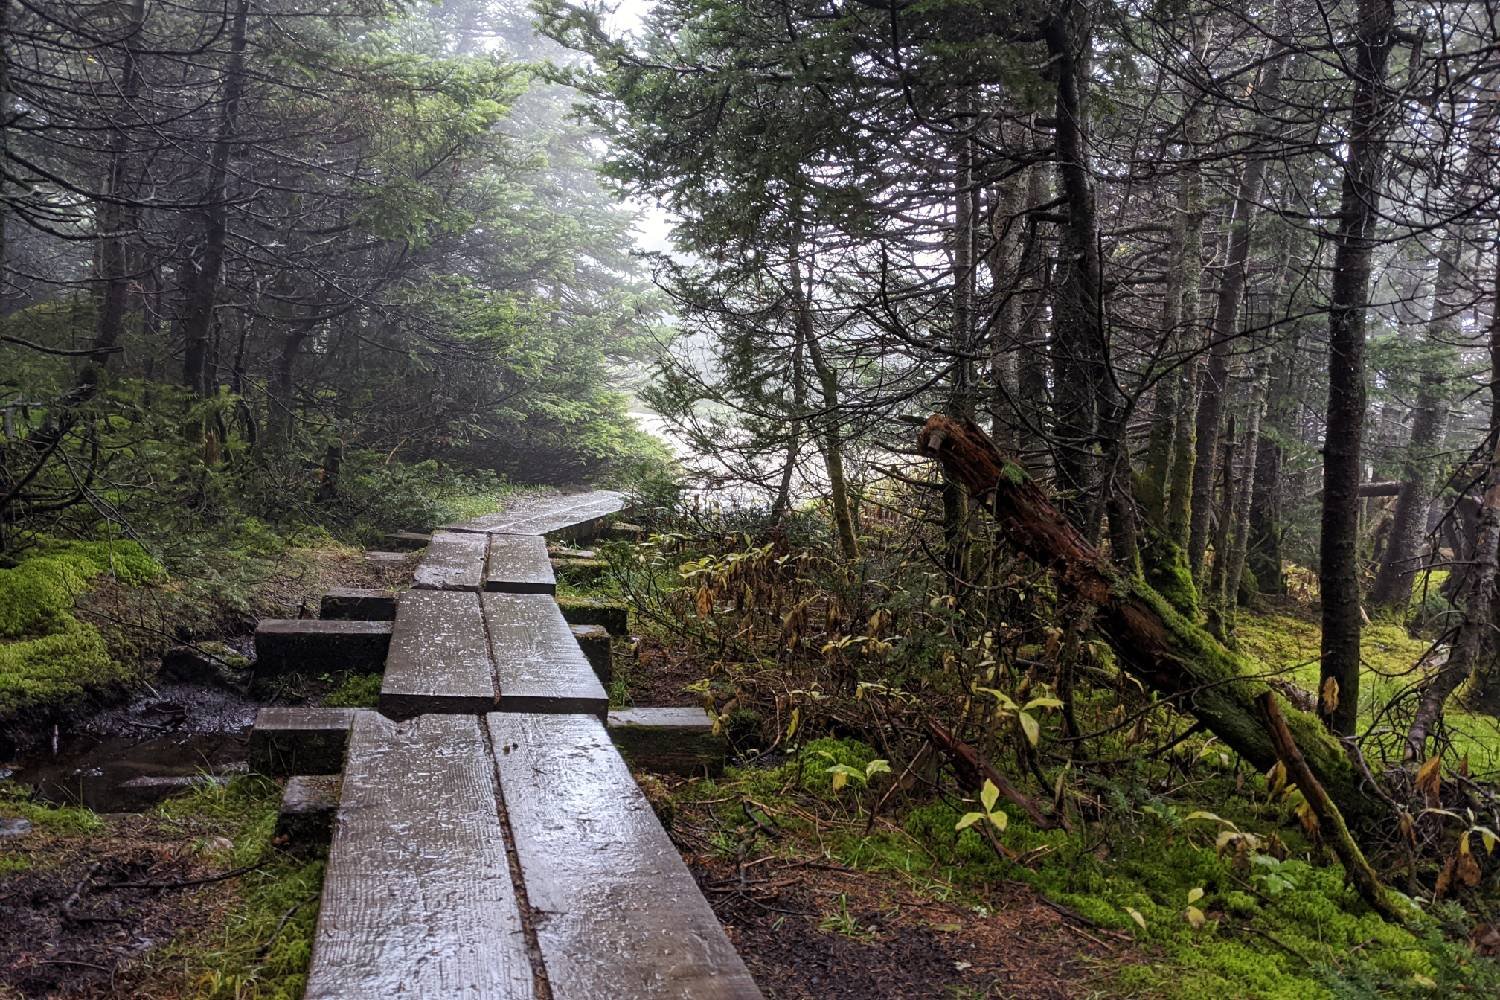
(1338, 570)
(203, 278)
(115, 218)
(833, 444)
(1153, 643)
(783, 502)
(1226, 317)
(1478, 597)
(1402, 560)
(1239, 538)
(1078, 343)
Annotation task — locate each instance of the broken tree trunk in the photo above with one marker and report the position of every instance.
(1152, 641)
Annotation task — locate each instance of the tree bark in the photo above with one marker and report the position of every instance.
(1078, 343)
(1338, 570)
(1226, 318)
(203, 279)
(1398, 569)
(1152, 642)
(833, 444)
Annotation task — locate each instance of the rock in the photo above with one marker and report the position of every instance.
(10, 828)
(206, 663)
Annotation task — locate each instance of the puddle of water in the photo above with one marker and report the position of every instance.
(129, 758)
(129, 774)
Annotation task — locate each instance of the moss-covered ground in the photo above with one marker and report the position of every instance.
(1189, 917)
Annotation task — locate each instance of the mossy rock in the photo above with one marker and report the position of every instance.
(613, 615)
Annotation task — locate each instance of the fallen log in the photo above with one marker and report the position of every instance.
(1330, 822)
(1152, 642)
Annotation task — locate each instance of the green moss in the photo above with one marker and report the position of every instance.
(14, 804)
(355, 691)
(53, 658)
(1168, 573)
(262, 948)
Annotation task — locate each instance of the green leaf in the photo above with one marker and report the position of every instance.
(1195, 894)
(989, 795)
(877, 767)
(1046, 702)
(999, 819)
(1030, 727)
(968, 820)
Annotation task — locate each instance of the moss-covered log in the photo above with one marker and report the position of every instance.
(1151, 640)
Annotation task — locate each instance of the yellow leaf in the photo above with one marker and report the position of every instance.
(1029, 726)
(1330, 697)
(989, 795)
(840, 779)
(1136, 916)
(1194, 916)
(1430, 779)
(999, 819)
(968, 820)
(796, 720)
(1195, 894)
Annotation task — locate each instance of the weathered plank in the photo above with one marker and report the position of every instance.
(308, 805)
(418, 899)
(538, 663)
(573, 517)
(407, 540)
(597, 647)
(671, 740)
(300, 739)
(453, 561)
(312, 645)
(356, 604)
(623, 917)
(519, 565)
(439, 659)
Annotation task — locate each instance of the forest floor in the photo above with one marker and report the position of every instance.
(824, 892)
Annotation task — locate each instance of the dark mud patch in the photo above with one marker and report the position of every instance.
(73, 922)
(810, 930)
(660, 675)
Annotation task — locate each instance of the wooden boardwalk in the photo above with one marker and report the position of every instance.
(490, 841)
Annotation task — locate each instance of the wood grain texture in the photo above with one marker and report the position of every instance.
(313, 646)
(453, 561)
(519, 564)
(556, 516)
(538, 663)
(617, 914)
(418, 900)
(439, 659)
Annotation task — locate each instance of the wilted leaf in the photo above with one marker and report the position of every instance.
(877, 767)
(1136, 916)
(1468, 870)
(1430, 779)
(1194, 916)
(1330, 697)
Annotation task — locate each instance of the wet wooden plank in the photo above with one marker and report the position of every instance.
(453, 561)
(578, 515)
(299, 739)
(358, 604)
(439, 659)
(418, 899)
(519, 565)
(538, 664)
(671, 740)
(623, 916)
(314, 646)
